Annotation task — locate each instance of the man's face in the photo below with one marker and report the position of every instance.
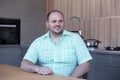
(55, 23)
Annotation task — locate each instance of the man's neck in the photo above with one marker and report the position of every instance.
(55, 37)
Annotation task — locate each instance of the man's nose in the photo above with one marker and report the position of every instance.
(58, 23)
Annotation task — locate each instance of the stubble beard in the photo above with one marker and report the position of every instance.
(58, 33)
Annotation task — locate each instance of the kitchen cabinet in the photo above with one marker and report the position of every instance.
(91, 73)
(10, 55)
(104, 66)
(24, 49)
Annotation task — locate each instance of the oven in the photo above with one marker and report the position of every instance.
(9, 31)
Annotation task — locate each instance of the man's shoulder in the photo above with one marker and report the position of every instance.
(69, 33)
(40, 38)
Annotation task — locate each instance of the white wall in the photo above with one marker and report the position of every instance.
(31, 13)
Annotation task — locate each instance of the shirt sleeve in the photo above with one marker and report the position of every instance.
(31, 53)
(82, 52)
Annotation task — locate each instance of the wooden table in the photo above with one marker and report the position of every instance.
(8, 72)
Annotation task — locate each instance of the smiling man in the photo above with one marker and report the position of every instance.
(58, 52)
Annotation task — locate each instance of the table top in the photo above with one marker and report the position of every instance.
(8, 72)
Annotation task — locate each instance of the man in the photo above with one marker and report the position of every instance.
(58, 52)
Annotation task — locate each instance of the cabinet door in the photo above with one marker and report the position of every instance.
(104, 67)
(92, 72)
(104, 72)
(10, 56)
(108, 59)
(24, 50)
(107, 67)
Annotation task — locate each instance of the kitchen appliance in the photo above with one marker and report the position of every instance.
(92, 43)
(9, 31)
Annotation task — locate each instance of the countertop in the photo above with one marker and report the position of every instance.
(103, 51)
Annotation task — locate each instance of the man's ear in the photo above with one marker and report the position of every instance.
(47, 24)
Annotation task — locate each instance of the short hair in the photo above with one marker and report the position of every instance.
(48, 15)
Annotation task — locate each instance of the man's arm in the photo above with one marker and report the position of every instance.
(80, 70)
(30, 67)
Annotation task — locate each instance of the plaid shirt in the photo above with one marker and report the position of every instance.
(62, 57)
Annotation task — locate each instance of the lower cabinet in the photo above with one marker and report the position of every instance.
(10, 56)
(104, 72)
(92, 73)
(104, 66)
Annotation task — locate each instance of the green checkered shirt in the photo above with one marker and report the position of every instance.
(62, 57)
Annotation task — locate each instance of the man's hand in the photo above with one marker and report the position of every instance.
(30, 67)
(44, 70)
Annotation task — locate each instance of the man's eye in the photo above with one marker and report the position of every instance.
(54, 21)
(61, 21)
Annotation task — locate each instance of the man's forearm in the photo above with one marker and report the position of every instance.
(28, 66)
(80, 70)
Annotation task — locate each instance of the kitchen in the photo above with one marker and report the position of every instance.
(99, 19)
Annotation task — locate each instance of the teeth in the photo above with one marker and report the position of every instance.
(57, 27)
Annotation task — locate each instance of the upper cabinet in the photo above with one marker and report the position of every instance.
(100, 19)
